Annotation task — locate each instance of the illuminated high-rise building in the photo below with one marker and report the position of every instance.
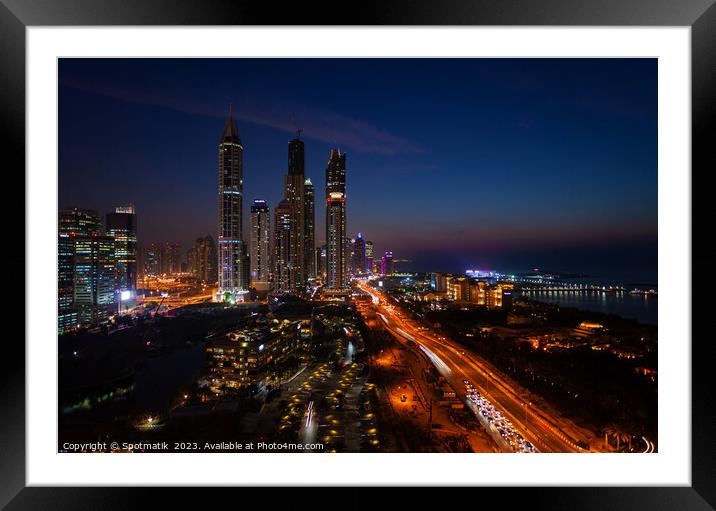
(66, 314)
(376, 266)
(169, 258)
(283, 225)
(72, 223)
(386, 264)
(79, 222)
(349, 259)
(245, 266)
(201, 260)
(192, 263)
(260, 245)
(294, 193)
(231, 188)
(94, 278)
(359, 254)
(122, 226)
(368, 268)
(149, 260)
(310, 228)
(336, 261)
(321, 262)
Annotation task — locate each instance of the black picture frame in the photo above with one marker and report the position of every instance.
(700, 15)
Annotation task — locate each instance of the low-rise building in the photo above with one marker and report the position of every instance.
(254, 353)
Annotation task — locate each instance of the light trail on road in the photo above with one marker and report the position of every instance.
(650, 446)
(309, 429)
(532, 423)
(437, 361)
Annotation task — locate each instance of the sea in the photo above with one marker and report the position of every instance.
(643, 308)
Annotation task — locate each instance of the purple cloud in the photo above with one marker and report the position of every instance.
(340, 130)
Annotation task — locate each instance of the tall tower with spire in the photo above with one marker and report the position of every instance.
(231, 188)
(294, 194)
(336, 260)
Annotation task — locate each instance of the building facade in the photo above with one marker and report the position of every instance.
(148, 259)
(479, 292)
(295, 194)
(458, 289)
(72, 223)
(283, 225)
(201, 260)
(359, 254)
(369, 258)
(251, 355)
(169, 259)
(386, 264)
(230, 237)
(336, 261)
(310, 225)
(66, 313)
(260, 242)
(79, 222)
(321, 257)
(122, 226)
(438, 282)
(94, 278)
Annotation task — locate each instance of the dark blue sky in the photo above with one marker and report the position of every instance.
(505, 164)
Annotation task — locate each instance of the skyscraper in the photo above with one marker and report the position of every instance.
(310, 222)
(79, 222)
(149, 260)
(170, 259)
(260, 244)
(201, 259)
(231, 188)
(321, 262)
(66, 315)
(386, 264)
(122, 226)
(336, 221)
(294, 193)
(349, 258)
(94, 279)
(192, 263)
(359, 254)
(368, 268)
(296, 156)
(283, 224)
(245, 267)
(72, 223)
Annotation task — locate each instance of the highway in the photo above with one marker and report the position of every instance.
(545, 432)
(309, 426)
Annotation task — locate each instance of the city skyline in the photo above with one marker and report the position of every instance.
(348, 348)
(479, 204)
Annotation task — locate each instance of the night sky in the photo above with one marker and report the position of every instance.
(504, 164)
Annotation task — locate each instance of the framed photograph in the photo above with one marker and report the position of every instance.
(411, 245)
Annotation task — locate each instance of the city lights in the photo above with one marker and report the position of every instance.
(301, 300)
